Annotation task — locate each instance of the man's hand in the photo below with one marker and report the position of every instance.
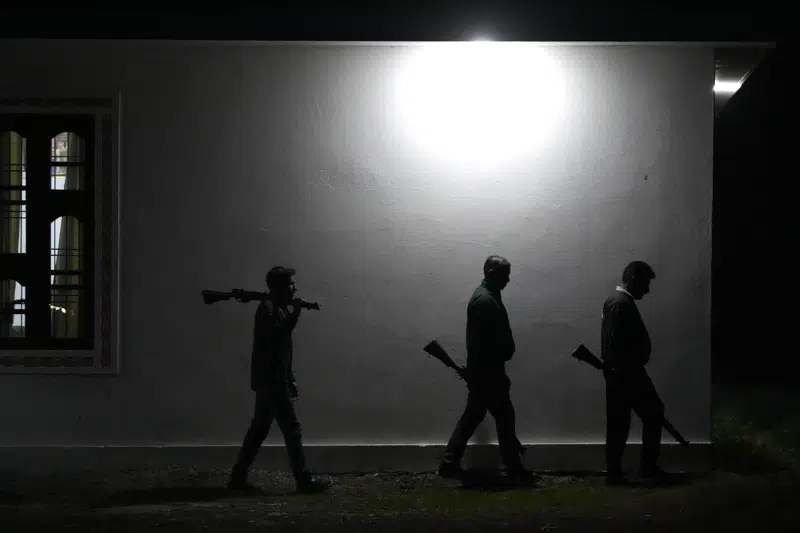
(293, 391)
(296, 308)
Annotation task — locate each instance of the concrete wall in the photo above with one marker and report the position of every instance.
(236, 157)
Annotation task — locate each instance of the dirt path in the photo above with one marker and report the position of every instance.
(180, 500)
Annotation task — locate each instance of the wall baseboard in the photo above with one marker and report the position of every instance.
(339, 459)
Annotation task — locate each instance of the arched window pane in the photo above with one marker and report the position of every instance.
(66, 178)
(67, 147)
(67, 291)
(65, 305)
(13, 149)
(67, 153)
(12, 309)
(66, 247)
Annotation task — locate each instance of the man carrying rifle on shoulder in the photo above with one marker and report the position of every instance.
(273, 381)
(625, 348)
(490, 344)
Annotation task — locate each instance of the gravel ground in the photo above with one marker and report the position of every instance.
(187, 500)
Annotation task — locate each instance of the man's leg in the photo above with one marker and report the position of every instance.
(650, 409)
(618, 424)
(286, 416)
(258, 431)
(473, 415)
(502, 409)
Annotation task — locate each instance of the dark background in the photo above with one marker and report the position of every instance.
(754, 219)
(755, 229)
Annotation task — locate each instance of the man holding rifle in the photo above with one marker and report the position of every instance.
(490, 344)
(625, 350)
(273, 381)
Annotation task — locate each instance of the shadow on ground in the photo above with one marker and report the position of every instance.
(496, 481)
(492, 481)
(10, 497)
(159, 495)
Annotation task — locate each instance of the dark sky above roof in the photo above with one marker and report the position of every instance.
(393, 20)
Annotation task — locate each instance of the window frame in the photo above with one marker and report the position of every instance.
(104, 355)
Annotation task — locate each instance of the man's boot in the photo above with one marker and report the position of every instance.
(307, 484)
(618, 479)
(653, 476)
(238, 481)
(519, 474)
(450, 470)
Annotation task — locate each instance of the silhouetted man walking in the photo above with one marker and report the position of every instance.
(625, 348)
(273, 381)
(490, 344)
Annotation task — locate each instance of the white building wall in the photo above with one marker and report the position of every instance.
(239, 156)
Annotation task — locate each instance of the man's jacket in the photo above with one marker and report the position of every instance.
(490, 342)
(271, 362)
(624, 341)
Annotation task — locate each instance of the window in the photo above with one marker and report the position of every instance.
(58, 239)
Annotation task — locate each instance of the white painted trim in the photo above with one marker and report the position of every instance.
(116, 237)
(97, 351)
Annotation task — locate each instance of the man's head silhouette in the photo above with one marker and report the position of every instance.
(496, 272)
(636, 278)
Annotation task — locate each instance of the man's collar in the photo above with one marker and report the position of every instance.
(493, 292)
(621, 289)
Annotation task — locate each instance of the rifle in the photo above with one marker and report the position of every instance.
(243, 296)
(582, 353)
(435, 349)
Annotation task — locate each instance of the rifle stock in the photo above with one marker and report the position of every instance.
(582, 353)
(436, 350)
(243, 296)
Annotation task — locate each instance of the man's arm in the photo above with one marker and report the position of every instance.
(276, 325)
(620, 328)
(492, 330)
(272, 328)
(292, 381)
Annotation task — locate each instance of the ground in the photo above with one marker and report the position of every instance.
(754, 487)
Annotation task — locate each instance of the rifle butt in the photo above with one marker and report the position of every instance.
(583, 354)
(210, 297)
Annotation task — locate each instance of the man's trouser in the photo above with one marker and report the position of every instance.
(626, 392)
(489, 390)
(273, 403)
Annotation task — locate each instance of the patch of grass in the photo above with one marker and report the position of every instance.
(438, 499)
(568, 496)
(756, 429)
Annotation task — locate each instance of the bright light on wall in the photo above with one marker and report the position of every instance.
(726, 87)
(479, 102)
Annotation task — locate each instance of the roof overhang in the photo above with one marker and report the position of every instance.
(733, 64)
